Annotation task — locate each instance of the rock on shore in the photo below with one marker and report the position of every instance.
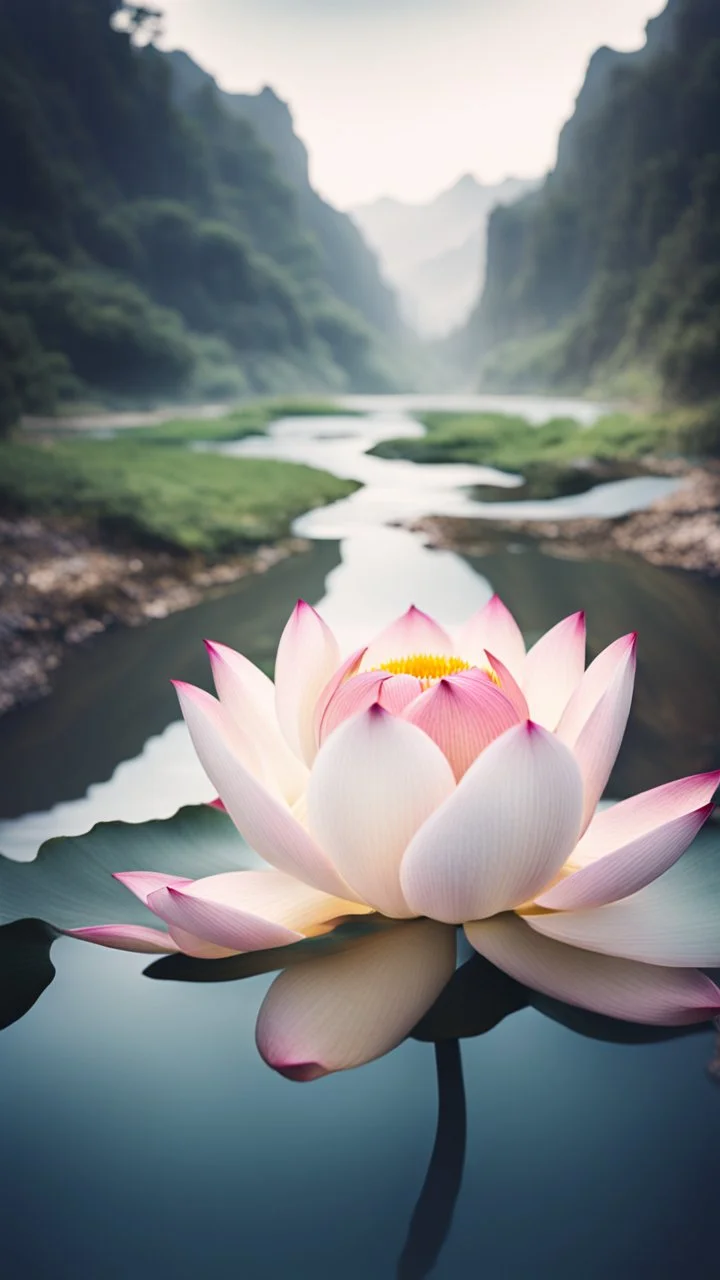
(681, 530)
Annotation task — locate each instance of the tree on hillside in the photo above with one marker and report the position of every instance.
(144, 25)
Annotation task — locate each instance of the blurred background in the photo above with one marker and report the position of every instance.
(218, 197)
(484, 234)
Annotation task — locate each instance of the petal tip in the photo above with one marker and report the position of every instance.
(302, 1072)
(376, 711)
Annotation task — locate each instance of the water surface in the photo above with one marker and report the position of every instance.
(142, 1136)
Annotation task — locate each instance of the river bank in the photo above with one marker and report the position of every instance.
(96, 534)
(680, 530)
(61, 585)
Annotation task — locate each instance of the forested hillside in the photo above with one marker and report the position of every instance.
(147, 249)
(610, 274)
(347, 265)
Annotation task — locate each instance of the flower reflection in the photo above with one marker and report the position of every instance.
(343, 1010)
(345, 999)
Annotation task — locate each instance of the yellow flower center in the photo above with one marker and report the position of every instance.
(430, 667)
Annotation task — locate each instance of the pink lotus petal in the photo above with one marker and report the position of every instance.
(307, 657)
(637, 864)
(508, 685)
(618, 825)
(248, 697)
(493, 629)
(339, 1011)
(463, 714)
(350, 699)
(375, 781)
(593, 723)
(236, 930)
(264, 821)
(553, 670)
(125, 937)
(672, 921)
(604, 984)
(249, 910)
(628, 846)
(415, 632)
(143, 883)
(348, 668)
(217, 804)
(397, 692)
(502, 836)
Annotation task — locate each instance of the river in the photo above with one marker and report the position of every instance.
(147, 1138)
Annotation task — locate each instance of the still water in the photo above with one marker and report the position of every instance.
(142, 1135)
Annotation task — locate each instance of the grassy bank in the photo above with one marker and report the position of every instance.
(247, 420)
(561, 445)
(152, 495)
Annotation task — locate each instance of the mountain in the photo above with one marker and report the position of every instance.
(609, 275)
(151, 248)
(434, 253)
(348, 266)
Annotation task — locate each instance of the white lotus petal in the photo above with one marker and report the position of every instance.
(375, 781)
(308, 656)
(339, 1011)
(604, 984)
(502, 836)
(494, 629)
(553, 670)
(264, 821)
(593, 723)
(248, 696)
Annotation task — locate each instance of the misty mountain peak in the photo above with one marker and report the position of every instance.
(434, 252)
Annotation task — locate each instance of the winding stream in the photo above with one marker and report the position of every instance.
(144, 1130)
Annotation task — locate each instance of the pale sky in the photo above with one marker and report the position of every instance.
(401, 97)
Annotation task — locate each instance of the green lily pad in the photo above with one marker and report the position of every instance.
(70, 883)
(25, 967)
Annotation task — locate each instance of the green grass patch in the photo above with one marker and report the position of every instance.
(153, 495)
(512, 444)
(248, 420)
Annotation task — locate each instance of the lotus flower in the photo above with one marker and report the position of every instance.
(427, 775)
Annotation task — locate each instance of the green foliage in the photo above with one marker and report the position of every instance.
(30, 378)
(154, 246)
(615, 263)
(513, 444)
(155, 495)
(250, 420)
